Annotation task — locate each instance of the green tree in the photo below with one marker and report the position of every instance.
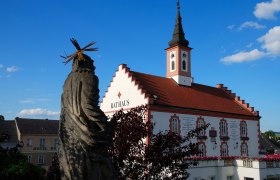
(14, 165)
(270, 134)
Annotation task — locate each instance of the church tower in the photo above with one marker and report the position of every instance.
(178, 53)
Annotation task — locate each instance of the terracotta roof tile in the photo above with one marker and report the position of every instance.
(197, 96)
(37, 126)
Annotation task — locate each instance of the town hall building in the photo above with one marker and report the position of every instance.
(179, 104)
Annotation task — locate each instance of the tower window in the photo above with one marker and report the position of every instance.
(184, 65)
(173, 65)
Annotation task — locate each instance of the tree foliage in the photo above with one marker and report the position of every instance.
(14, 165)
(54, 171)
(164, 157)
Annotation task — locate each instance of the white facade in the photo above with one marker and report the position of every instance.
(235, 170)
(123, 93)
(189, 122)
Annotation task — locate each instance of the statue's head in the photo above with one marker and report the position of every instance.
(81, 62)
(84, 64)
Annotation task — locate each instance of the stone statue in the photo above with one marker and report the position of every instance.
(84, 131)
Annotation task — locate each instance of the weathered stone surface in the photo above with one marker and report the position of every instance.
(84, 131)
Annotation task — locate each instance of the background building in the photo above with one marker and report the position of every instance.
(38, 138)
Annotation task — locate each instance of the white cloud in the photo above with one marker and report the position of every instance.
(250, 24)
(267, 10)
(11, 69)
(231, 27)
(249, 45)
(32, 100)
(243, 57)
(271, 41)
(38, 111)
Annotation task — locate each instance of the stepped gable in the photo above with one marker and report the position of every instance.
(242, 103)
(167, 92)
(133, 79)
(37, 126)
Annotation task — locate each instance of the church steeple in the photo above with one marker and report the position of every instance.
(178, 34)
(178, 59)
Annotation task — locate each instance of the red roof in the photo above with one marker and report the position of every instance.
(197, 96)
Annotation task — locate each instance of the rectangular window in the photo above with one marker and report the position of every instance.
(29, 158)
(211, 178)
(230, 177)
(29, 142)
(41, 159)
(55, 143)
(246, 178)
(42, 142)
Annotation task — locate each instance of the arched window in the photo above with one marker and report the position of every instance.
(184, 65)
(172, 65)
(174, 124)
(201, 149)
(224, 149)
(200, 123)
(243, 129)
(244, 149)
(223, 128)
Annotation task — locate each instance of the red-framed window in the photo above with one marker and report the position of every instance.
(223, 128)
(244, 149)
(202, 149)
(200, 123)
(224, 149)
(243, 129)
(174, 124)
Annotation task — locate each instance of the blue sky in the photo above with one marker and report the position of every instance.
(235, 43)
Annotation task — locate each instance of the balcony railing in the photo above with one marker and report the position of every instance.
(40, 148)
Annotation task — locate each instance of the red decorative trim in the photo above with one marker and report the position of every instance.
(247, 148)
(205, 148)
(223, 121)
(243, 123)
(179, 123)
(133, 79)
(221, 149)
(171, 109)
(148, 119)
(238, 100)
(259, 136)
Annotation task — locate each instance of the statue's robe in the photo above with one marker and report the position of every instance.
(84, 131)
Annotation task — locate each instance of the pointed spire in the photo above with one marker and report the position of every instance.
(178, 34)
